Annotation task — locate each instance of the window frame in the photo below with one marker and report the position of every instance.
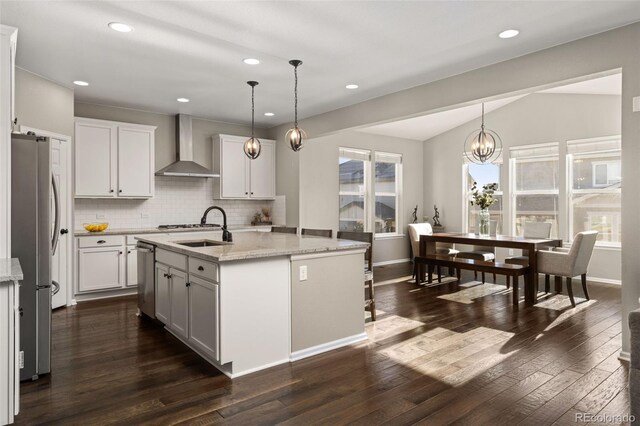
(366, 182)
(397, 194)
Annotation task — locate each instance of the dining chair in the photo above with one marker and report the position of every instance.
(327, 233)
(482, 252)
(529, 230)
(366, 237)
(569, 264)
(417, 229)
(285, 229)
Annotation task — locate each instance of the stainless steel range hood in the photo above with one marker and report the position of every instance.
(184, 165)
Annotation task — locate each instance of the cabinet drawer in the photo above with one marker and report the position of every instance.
(204, 269)
(100, 241)
(131, 239)
(175, 260)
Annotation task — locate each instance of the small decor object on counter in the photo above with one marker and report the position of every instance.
(436, 217)
(414, 215)
(266, 214)
(95, 227)
(262, 217)
(484, 200)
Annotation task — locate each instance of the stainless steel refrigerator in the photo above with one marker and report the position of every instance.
(34, 234)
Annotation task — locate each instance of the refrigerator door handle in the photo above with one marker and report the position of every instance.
(56, 203)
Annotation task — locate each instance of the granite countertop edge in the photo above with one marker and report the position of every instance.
(135, 231)
(10, 270)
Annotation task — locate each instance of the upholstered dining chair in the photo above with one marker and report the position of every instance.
(285, 229)
(367, 237)
(488, 254)
(569, 264)
(529, 230)
(327, 233)
(417, 229)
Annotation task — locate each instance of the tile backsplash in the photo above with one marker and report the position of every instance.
(176, 200)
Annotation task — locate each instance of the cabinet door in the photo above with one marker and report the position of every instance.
(203, 316)
(136, 162)
(179, 303)
(233, 169)
(132, 266)
(163, 294)
(100, 268)
(95, 147)
(263, 172)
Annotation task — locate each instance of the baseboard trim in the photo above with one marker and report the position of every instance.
(97, 296)
(624, 356)
(329, 346)
(391, 262)
(604, 280)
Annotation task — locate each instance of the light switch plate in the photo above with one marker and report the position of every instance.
(303, 273)
(144, 215)
(636, 104)
(99, 215)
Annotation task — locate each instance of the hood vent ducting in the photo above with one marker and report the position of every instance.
(184, 165)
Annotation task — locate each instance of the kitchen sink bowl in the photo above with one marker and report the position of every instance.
(202, 243)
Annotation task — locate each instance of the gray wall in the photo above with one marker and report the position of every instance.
(165, 133)
(43, 104)
(536, 118)
(615, 49)
(319, 183)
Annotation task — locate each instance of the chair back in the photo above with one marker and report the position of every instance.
(536, 230)
(365, 237)
(327, 233)
(285, 229)
(415, 230)
(581, 250)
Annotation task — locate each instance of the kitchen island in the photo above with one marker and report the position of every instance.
(261, 300)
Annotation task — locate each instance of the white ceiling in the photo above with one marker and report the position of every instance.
(195, 49)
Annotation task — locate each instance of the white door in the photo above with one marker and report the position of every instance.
(179, 303)
(60, 269)
(132, 266)
(203, 316)
(96, 168)
(234, 169)
(263, 172)
(135, 163)
(100, 268)
(163, 294)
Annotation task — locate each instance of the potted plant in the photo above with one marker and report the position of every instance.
(483, 199)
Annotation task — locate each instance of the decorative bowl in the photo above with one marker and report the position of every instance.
(95, 227)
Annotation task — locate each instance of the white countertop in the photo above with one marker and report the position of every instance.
(253, 245)
(133, 231)
(10, 270)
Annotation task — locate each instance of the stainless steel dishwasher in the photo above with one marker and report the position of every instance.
(146, 280)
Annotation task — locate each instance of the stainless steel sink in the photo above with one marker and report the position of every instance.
(201, 243)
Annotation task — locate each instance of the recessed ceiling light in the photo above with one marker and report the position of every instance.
(80, 83)
(508, 33)
(120, 27)
(351, 86)
(269, 114)
(251, 61)
(182, 100)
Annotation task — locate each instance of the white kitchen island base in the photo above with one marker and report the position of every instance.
(249, 313)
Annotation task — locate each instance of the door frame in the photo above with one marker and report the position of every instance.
(70, 212)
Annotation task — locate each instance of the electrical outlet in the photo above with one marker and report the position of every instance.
(303, 273)
(144, 215)
(99, 215)
(510, 252)
(636, 104)
(21, 361)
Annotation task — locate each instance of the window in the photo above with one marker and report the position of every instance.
(534, 171)
(482, 174)
(387, 189)
(360, 177)
(595, 188)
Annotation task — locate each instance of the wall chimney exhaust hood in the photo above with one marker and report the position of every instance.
(184, 165)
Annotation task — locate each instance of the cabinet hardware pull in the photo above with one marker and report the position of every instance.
(111, 190)
(188, 284)
(120, 252)
(200, 268)
(252, 193)
(120, 190)
(128, 251)
(64, 231)
(101, 241)
(169, 275)
(166, 275)
(246, 193)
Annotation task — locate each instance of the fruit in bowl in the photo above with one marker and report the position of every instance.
(95, 227)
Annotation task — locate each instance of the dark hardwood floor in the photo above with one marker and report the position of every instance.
(437, 355)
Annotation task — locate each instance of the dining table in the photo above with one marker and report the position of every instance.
(529, 247)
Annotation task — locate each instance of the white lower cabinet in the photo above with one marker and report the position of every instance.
(132, 266)
(100, 268)
(203, 316)
(179, 322)
(163, 294)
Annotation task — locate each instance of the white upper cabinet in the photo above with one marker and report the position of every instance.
(241, 177)
(114, 160)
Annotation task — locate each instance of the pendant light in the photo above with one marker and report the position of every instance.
(483, 145)
(295, 136)
(252, 146)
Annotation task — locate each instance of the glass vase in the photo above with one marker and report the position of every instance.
(484, 220)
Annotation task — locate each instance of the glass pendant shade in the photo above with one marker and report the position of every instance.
(482, 145)
(295, 136)
(252, 146)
